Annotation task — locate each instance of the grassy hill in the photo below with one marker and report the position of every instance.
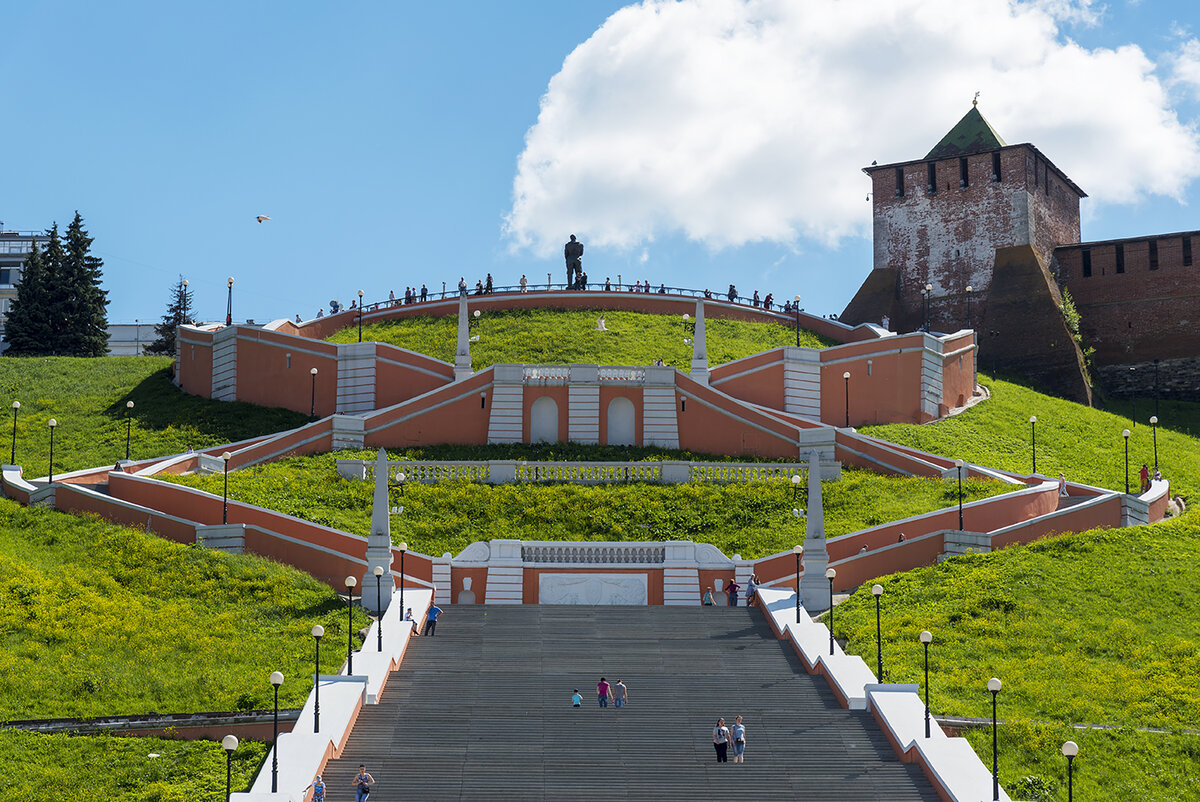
(752, 519)
(87, 397)
(547, 336)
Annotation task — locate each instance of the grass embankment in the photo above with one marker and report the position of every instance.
(98, 619)
(1083, 443)
(48, 768)
(550, 336)
(752, 519)
(87, 397)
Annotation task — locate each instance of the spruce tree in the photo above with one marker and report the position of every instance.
(179, 313)
(84, 304)
(27, 329)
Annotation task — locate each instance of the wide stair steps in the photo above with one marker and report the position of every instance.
(482, 711)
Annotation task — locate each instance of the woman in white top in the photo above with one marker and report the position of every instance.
(721, 741)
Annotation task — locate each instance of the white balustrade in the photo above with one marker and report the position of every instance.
(588, 473)
(557, 553)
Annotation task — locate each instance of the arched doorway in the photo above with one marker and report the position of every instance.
(543, 421)
(622, 422)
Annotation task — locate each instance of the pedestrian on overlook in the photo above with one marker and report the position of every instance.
(431, 620)
(524, 283)
(739, 740)
(462, 285)
(576, 698)
(1144, 475)
(721, 741)
(603, 692)
(620, 694)
(707, 601)
(362, 784)
(1062, 484)
(732, 293)
(392, 297)
(320, 313)
(607, 285)
(755, 300)
(487, 287)
(424, 293)
(768, 300)
(886, 322)
(732, 590)
(638, 287)
(478, 287)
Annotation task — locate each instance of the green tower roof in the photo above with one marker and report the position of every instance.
(973, 134)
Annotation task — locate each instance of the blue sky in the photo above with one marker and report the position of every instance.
(692, 143)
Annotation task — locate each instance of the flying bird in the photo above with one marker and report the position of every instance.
(261, 217)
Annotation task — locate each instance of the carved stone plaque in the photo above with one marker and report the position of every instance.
(592, 589)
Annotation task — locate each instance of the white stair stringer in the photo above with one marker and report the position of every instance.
(802, 382)
(356, 378)
(224, 364)
(506, 419)
(660, 426)
(583, 410)
(681, 586)
(505, 584)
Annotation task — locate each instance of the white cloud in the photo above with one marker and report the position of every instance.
(735, 121)
(1184, 64)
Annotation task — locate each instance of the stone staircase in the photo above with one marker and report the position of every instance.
(483, 712)
(958, 543)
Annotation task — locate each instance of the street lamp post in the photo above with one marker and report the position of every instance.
(225, 492)
(1125, 434)
(830, 574)
(229, 743)
(796, 310)
(276, 680)
(968, 306)
(877, 592)
(350, 583)
(846, 379)
(312, 407)
(360, 297)
(403, 548)
(797, 550)
(958, 466)
(400, 479)
(795, 486)
(12, 457)
(1156, 388)
(128, 426)
(1033, 440)
(1070, 749)
(229, 303)
(926, 638)
(378, 572)
(993, 685)
(1154, 432)
(925, 293)
(318, 632)
(53, 424)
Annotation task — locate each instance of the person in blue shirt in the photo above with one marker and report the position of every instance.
(318, 787)
(576, 698)
(431, 619)
(738, 734)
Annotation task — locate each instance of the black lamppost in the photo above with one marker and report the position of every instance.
(1125, 434)
(312, 407)
(403, 548)
(1156, 387)
(1154, 432)
(1033, 440)
(925, 293)
(796, 480)
(318, 632)
(128, 425)
(877, 591)
(229, 743)
(993, 685)
(958, 466)
(926, 638)
(229, 303)
(350, 583)
(1070, 749)
(968, 306)
(276, 680)
(797, 550)
(360, 297)
(53, 424)
(796, 309)
(378, 572)
(846, 378)
(400, 479)
(12, 458)
(830, 574)
(225, 492)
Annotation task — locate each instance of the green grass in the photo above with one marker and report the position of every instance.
(87, 397)
(752, 519)
(98, 619)
(1097, 628)
(1083, 443)
(544, 336)
(48, 768)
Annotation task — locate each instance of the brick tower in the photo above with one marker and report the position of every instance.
(941, 222)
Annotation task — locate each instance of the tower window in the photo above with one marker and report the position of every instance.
(1154, 254)
(996, 166)
(1187, 251)
(899, 182)
(962, 172)
(1120, 258)
(932, 177)
(1087, 263)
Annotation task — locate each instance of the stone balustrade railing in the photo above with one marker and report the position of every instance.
(553, 553)
(562, 374)
(593, 473)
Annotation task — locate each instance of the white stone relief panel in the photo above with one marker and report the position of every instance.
(592, 589)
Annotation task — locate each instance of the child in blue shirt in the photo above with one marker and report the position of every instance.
(576, 699)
